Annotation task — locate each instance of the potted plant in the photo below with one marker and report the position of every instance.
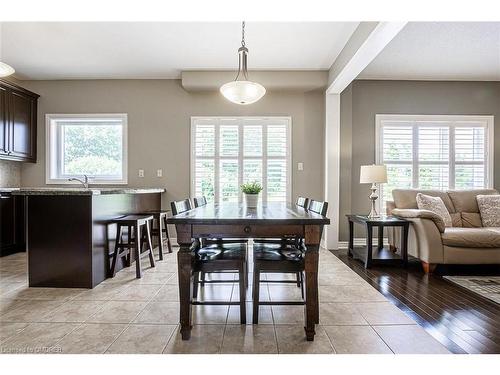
(251, 191)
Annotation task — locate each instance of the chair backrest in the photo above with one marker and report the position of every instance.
(318, 207)
(200, 201)
(302, 202)
(179, 207)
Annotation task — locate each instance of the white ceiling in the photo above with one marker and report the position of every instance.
(440, 51)
(162, 50)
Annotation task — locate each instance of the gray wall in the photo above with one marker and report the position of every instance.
(363, 99)
(159, 127)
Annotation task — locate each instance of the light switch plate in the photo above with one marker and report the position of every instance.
(141, 172)
(159, 173)
(300, 166)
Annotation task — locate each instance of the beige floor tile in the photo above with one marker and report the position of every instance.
(90, 338)
(263, 293)
(292, 340)
(207, 314)
(38, 338)
(338, 278)
(205, 339)
(63, 294)
(19, 276)
(8, 288)
(8, 330)
(102, 292)
(73, 311)
(137, 292)
(118, 312)
(408, 339)
(249, 339)
(356, 340)
(7, 305)
(31, 311)
(349, 293)
(215, 292)
(380, 313)
(340, 314)
(288, 314)
(127, 277)
(265, 314)
(167, 293)
(142, 339)
(159, 313)
(288, 292)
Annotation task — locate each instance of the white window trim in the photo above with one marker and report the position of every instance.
(51, 143)
(456, 119)
(240, 121)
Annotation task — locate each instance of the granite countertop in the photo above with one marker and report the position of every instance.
(8, 189)
(81, 191)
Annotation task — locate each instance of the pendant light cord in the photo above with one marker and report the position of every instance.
(243, 33)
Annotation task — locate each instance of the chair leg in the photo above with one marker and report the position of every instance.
(117, 250)
(202, 279)
(150, 245)
(195, 285)
(302, 284)
(243, 310)
(298, 279)
(160, 239)
(138, 268)
(255, 296)
(129, 246)
(169, 245)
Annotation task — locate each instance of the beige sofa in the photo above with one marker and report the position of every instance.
(467, 242)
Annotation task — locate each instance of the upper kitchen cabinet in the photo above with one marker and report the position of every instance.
(18, 121)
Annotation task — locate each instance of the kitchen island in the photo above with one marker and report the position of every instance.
(68, 234)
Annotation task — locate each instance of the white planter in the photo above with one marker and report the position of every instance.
(252, 200)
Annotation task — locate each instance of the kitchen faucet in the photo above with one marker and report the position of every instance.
(84, 182)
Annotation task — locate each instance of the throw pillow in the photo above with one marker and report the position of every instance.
(489, 207)
(436, 205)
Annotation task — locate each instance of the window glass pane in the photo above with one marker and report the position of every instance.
(252, 140)
(398, 177)
(469, 177)
(229, 143)
(94, 150)
(276, 180)
(469, 144)
(433, 143)
(398, 144)
(204, 176)
(433, 177)
(228, 181)
(252, 171)
(276, 140)
(205, 140)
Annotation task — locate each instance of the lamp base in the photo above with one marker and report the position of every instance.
(373, 197)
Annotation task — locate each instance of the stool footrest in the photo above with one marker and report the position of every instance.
(278, 303)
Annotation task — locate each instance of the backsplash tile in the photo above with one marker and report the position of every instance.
(10, 173)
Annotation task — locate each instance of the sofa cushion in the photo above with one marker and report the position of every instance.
(471, 237)
(489, 207)
(465, 200)
(456, 219)
(407, 198)
(436, 205)
(471, 220)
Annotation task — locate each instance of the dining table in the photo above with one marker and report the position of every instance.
(235, 220)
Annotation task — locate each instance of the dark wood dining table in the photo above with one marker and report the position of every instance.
(235, 220)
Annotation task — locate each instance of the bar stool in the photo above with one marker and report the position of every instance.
(159, 229)
(139, 225)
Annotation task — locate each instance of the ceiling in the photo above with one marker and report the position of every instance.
(440, 51)
(78, 50)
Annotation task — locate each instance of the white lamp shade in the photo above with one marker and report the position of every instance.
(243, 92)
(370, 174)
(6, 70)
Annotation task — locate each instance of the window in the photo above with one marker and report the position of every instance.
(435, 152)
(94, 145)
(229, 151)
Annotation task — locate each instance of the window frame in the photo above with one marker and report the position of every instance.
(454, 121)
(53, 148)
(240, 122)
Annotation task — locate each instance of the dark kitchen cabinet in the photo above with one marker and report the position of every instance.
(12, 224)
(18, 123)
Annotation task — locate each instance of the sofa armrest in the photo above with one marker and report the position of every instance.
(409, 213)
(389, 206)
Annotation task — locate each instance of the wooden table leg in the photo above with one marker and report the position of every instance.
(380, 230)
(312, 240)
(351, 239)
(369, 245)
(404, 244)
(185, 274)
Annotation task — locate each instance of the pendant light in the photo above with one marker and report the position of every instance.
(242, 90)
(6, 70)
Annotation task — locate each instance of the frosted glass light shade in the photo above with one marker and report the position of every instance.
(370, 174)
(243, 92)
(6, 70)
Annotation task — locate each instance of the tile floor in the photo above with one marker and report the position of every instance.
(126, 315)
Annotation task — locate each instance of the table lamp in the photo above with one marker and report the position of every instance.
(373, 174)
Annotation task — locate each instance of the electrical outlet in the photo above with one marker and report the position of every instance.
(300, 166)
(159, 173)
(141, 172)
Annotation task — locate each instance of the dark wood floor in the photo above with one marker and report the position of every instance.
(461, 320)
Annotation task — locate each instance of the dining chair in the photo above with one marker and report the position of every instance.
(217, 257)
(285, 257)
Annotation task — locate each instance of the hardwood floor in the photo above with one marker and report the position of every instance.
(461, 320)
